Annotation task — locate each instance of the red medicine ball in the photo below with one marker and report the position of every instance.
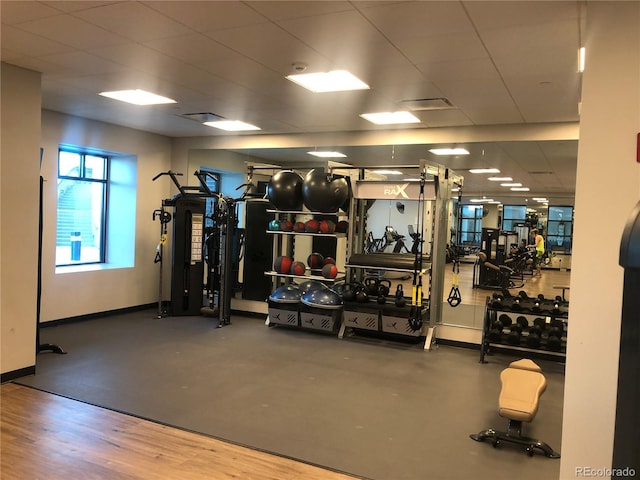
(329, 271)
(286, 226)
(298, 268)
(298, 227)
(311, 226)
(327, 226)
(329, 260)
(282, 264)
(315, 260)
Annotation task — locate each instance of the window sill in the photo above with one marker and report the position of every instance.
(93, 267)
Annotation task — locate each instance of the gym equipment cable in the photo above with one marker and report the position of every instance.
(415, 315)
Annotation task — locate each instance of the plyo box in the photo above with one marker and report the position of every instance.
(327, 320)
(284, 313)
(366, 317)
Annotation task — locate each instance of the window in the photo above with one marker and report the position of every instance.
(470, 231)
(559, 228)
(513, 215)
(82, 207)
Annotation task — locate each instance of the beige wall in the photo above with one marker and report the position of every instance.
(80, 293)
(19, 186)
(607, 188)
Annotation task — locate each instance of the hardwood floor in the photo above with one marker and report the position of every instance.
(45, 436)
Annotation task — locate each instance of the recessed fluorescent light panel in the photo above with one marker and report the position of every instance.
(581, 59)
(519, 189)
(449, 151)
(484, 170)
(334, 81)
(500, 179)
(326, 154)
(388, 172)
(481, 200)
(390, 118)
(232, 125)
(137, 97)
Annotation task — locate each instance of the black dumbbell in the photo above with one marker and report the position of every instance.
(554, 343)
(495, 334)
(533, 339)
(522, 322)
(540, 322)
(497, 301)
(515, 306)
(522, 294)
(514, 337)
(505, 320)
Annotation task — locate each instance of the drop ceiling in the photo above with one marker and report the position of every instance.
(499, 64)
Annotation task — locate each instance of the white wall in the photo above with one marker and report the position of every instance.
(79, 293)
(607, 188)
(19, 184)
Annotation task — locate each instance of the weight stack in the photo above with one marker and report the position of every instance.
(258, 250)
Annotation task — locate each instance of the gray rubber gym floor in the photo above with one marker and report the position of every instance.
(377, 409)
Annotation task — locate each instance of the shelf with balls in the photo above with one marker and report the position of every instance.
(315, 206)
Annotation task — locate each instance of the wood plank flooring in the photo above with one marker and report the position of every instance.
(45, 436)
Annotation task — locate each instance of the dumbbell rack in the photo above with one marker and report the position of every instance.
(541, 315)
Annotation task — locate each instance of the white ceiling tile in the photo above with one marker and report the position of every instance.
(30, 44)
(209, 15)
(195, 48)
(461, 46)
(69, 30)
(75, 5)
(499, 14)
(13, 13)
(279, 10)
(74, 61)
(133, 20)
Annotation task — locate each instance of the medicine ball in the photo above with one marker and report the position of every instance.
(327, 226)
(282, 264)
(284, 190)
(329, 271)
(324, 193)
(315, 260)
(298, 227)
(311, 226)
(297, 268)
(342, 226)
(328, 260)
(274, 225)
(286, 226)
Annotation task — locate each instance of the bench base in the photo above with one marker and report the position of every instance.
(513, 435)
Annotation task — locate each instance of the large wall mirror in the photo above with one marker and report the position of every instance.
(533, 187)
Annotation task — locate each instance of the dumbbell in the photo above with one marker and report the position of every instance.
(514, 336)
(556, 328)
(495, 334)
(497, 301)
(533, 339)
(515, 306)
(505, 320)
(523, 295)
(536, 306)
(522, 322)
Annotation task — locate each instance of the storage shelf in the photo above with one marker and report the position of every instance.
(307, 234)
(320, 278)
(303, 212)
(402, 270)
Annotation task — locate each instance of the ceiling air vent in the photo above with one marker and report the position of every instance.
(422, 104)
(202, 117)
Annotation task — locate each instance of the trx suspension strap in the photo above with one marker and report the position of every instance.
(454, 295)
(415, 315)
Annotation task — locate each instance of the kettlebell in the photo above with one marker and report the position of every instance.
(400, 300)
(362, 296)
(384, 286)
(382, 296)
(371, 285)
(349, 294)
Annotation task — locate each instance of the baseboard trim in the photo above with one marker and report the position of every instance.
(91, 316)
(457, 343)
(14, 374)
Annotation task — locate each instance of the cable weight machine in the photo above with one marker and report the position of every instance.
(195, 245)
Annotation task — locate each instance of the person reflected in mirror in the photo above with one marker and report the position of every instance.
(538, 244)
